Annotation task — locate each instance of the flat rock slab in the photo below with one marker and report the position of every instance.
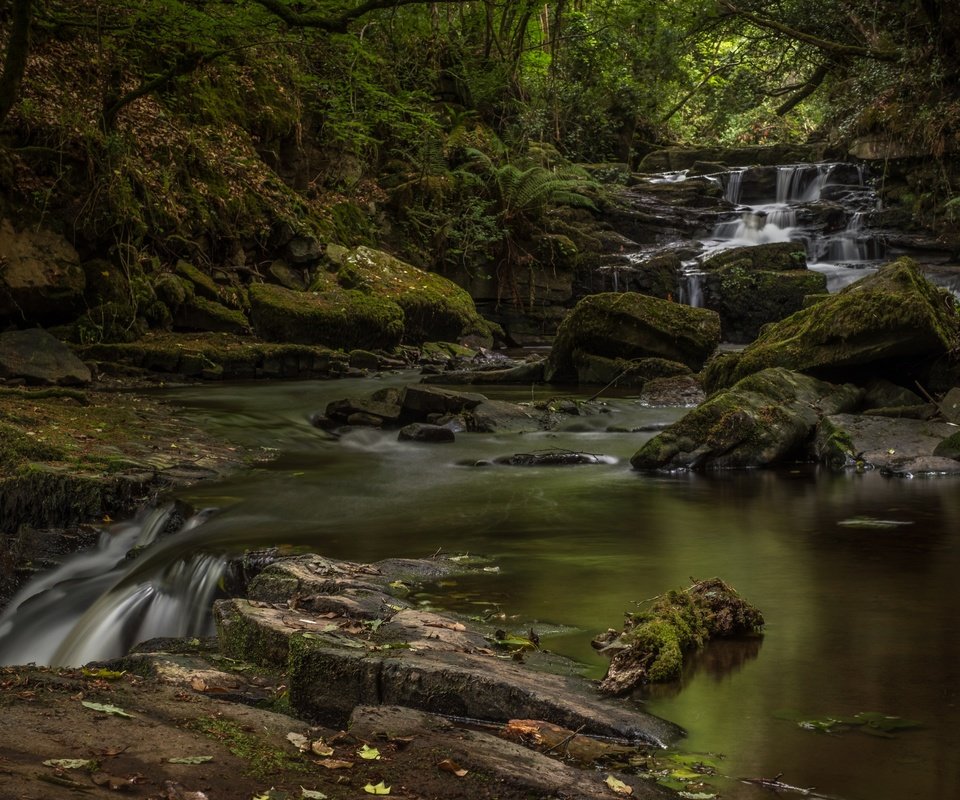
(901, 447)
(505, 762)
(41, 359)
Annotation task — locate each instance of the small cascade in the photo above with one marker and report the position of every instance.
(690, 290)
(100, 602)
(732, 188)
(802, 183)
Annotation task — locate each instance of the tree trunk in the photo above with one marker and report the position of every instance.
(15, 62)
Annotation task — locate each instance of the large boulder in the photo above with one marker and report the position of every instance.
(894, 324)
(631, 326)
(766, 418)
(677, 158)
(335, 317)
(752, 286)
(40, 276)
(434, 308)
(38, 358)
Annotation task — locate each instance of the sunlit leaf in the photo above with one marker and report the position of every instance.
(380, 788)
(369, 753)
(321, 748)
(618, 785)
(102, 674)
(310, 794)
(106, 709)
(298, 740)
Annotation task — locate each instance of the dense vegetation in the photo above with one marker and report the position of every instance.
(214, 131)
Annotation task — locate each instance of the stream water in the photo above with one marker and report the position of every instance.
(856, 574)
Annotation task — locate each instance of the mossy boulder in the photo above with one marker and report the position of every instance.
(752, 286)
(623, 372)
(434, 308)
(197, 313)
(949, 447)
(344, 319)
(629, 326)
(202, 283)
(894, 324)
(768, 417)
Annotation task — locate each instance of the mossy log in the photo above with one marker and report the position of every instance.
(652, 644)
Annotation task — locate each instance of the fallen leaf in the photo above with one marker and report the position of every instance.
(618, 786)
(380, 788)
(448, 765)
(190, 760)
(70, 763)
(333, 763)
(321, 748)
(107, 709)
(299, 741)
(309, 794)
(369, 753)
(102, 674)
(198, 684)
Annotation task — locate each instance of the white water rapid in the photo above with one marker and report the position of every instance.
(101, 601)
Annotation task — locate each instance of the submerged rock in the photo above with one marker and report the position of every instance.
(764, 419)
(424, 432)
(894, 324)
(631, 326)
(552, 458)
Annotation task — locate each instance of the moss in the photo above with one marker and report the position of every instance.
(434, 308)
(199, 313)
(109, 322)
(262, 758)
(949, 447)
(203, 284)
(18, 448)
(653, 643)
(894, 317)
(346, 319)
(172, 289)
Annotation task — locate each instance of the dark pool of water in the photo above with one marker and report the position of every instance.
(859, 619)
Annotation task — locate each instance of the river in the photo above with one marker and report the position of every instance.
(856, 574)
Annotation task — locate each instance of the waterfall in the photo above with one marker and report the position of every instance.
(731, 192)
(101, 602)
(690, 290)
(802, 183)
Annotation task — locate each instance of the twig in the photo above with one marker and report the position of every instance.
(565, 741)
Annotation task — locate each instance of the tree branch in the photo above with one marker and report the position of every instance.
(826, 45)
(812, 84)
(15, 62)
(338, 24)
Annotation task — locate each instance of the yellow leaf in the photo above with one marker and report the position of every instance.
(369, 753)
(380, 788)
(618, 786)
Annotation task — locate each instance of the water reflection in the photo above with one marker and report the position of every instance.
(858, 619)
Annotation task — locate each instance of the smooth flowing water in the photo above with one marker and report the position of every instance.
(856, 574)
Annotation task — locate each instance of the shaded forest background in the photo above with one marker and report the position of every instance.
(224, 132)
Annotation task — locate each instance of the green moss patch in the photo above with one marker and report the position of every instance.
(653, 642)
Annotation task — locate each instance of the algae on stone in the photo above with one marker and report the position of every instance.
(627, 325)
(764, 419)
(892, 324)
(653, 642)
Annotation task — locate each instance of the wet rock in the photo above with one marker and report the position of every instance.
(420, 400)
(500, 416)
(552, 458)
(594, 369)
(894, 446)
(425, 432)
(886, 394)
(764, 419)
(679, 390)
(378, 412)
(520, 374)
(894, 324)
(38, 358)
(750, 287)
(632, 326)
(950, 405)
(949, 447)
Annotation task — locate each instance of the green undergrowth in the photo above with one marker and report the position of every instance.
(262, 758)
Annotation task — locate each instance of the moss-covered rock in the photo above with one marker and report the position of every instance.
(202, 283)
(893, 324)
(752, 286)
(623, 372)
(345, 319)
(434, 308)
(949, 447)
(197, 313)
(766, 418)
(630, 326)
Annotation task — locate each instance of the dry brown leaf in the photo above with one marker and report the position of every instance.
(333, 763)
(448, 765)
(321, 748)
